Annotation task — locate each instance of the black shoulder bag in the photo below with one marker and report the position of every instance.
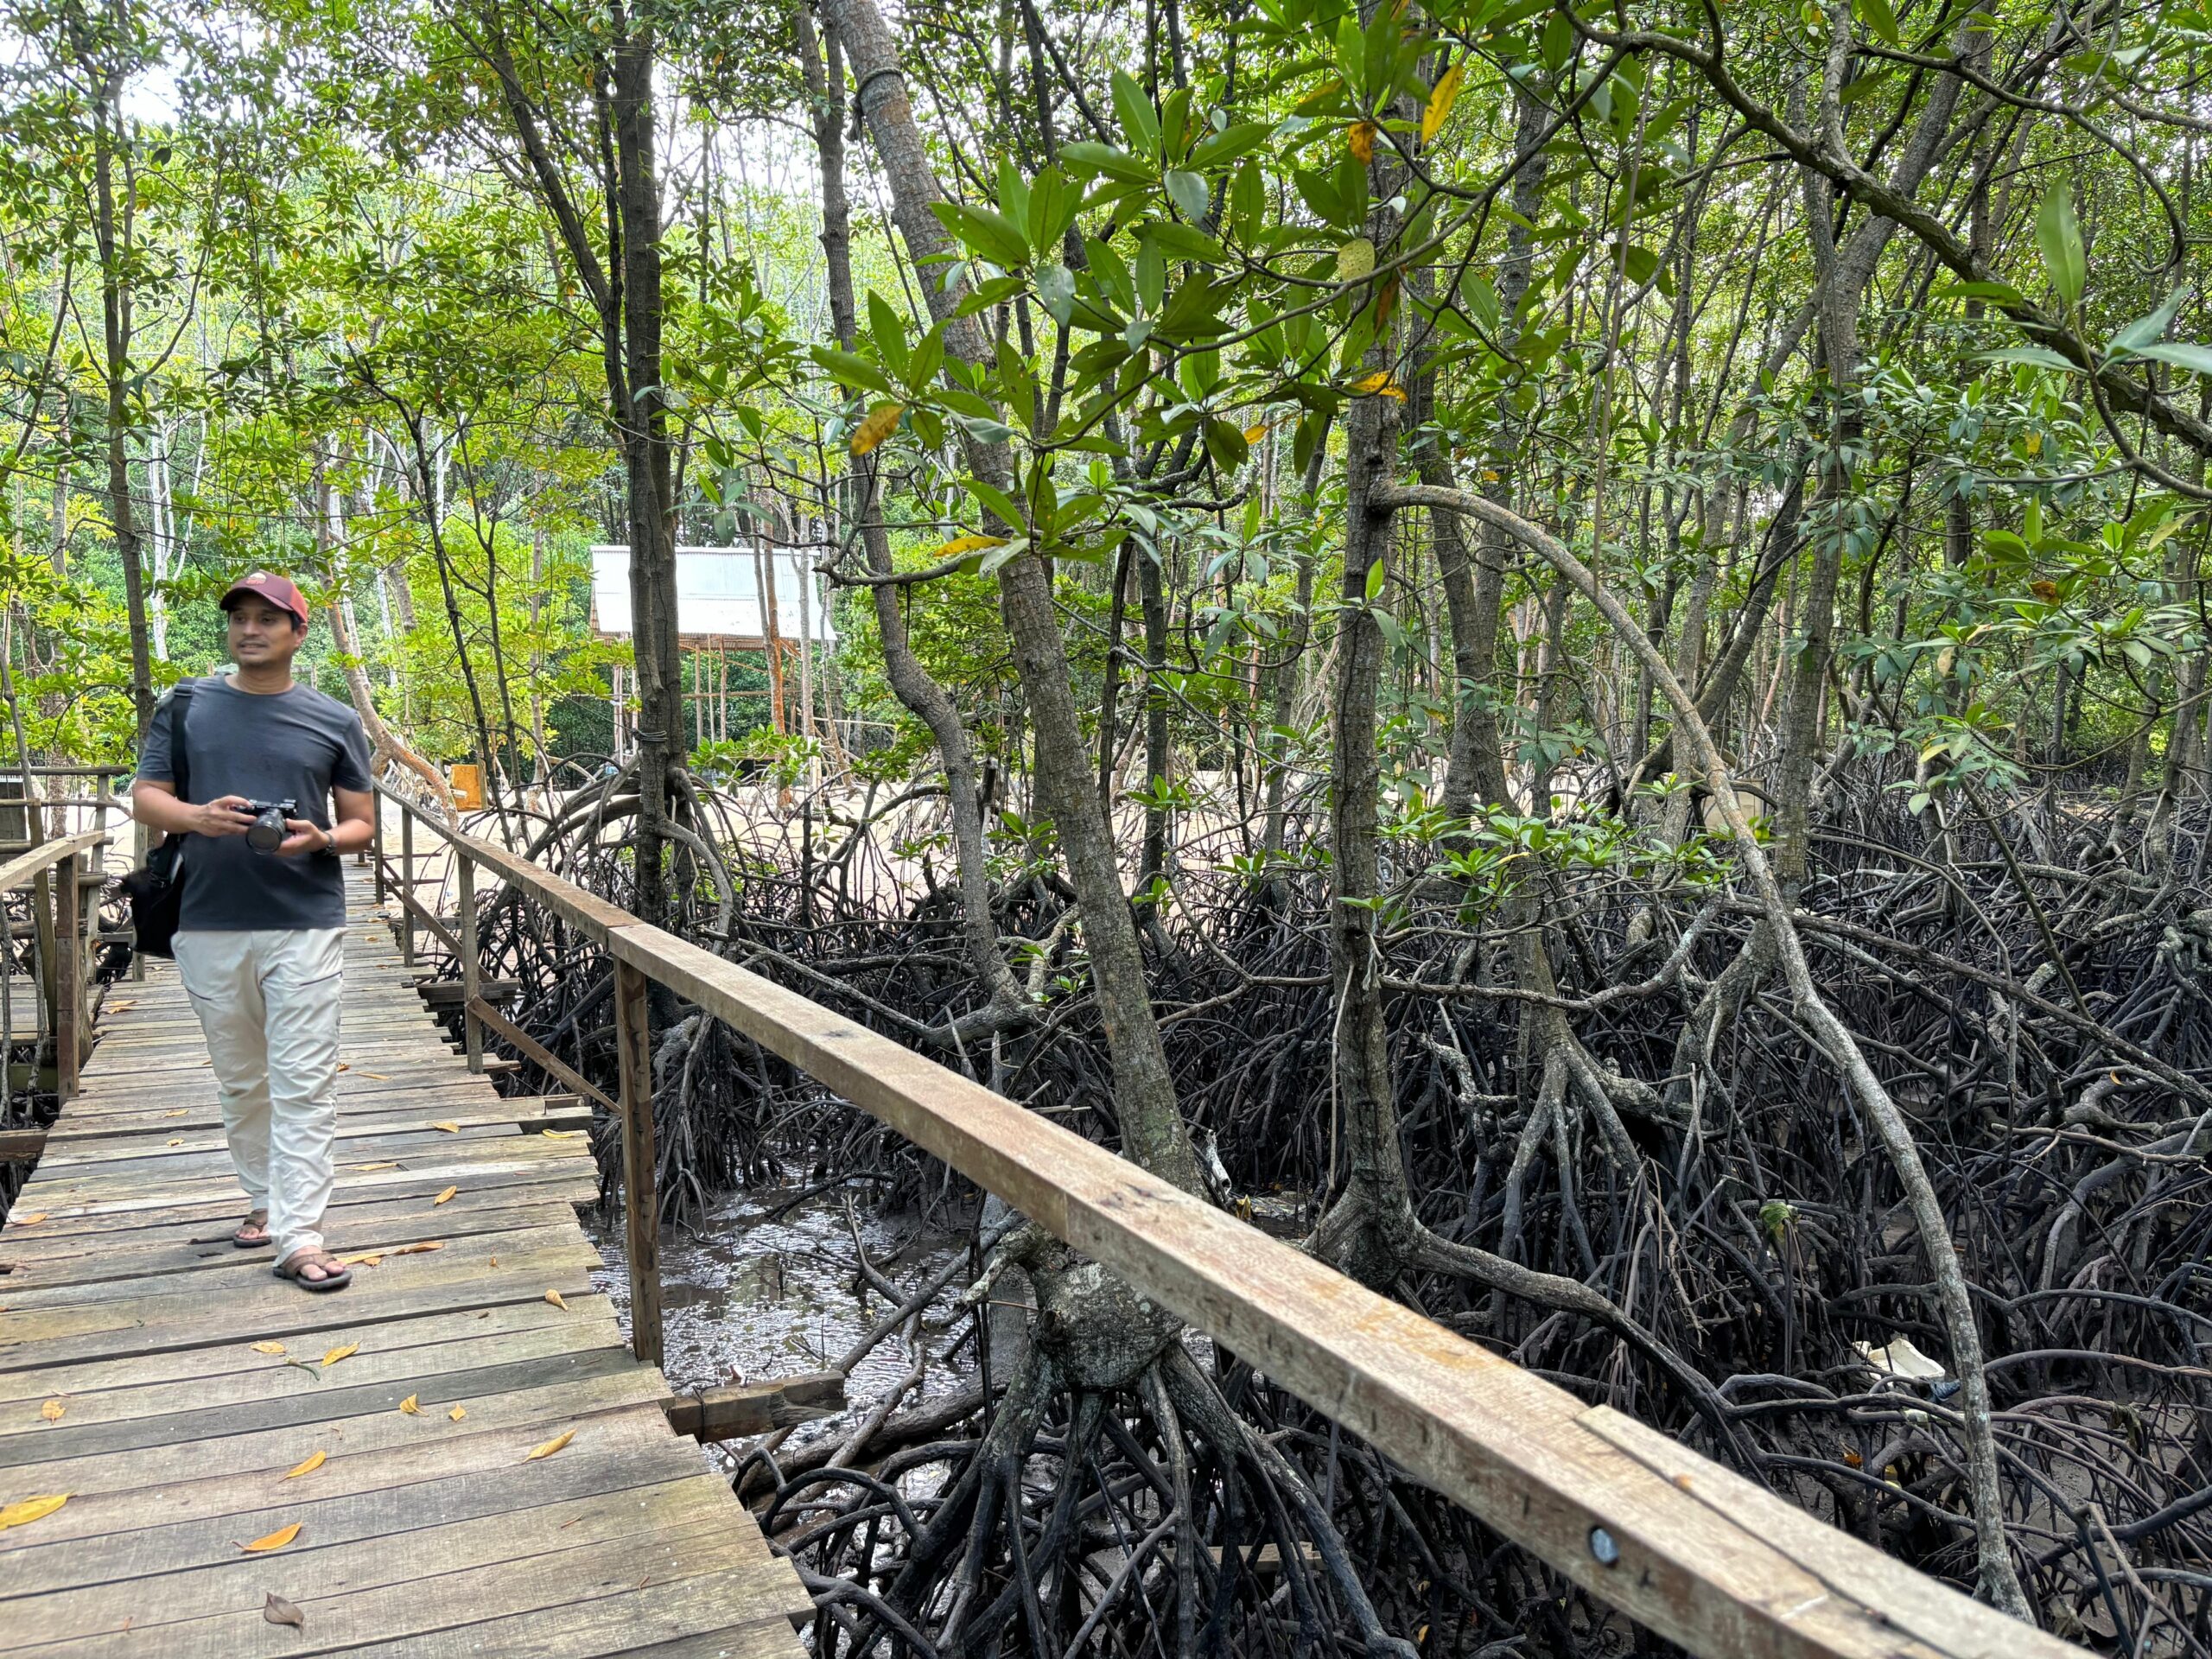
(156, 889)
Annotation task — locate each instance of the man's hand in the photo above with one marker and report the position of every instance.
(302, 836)
(226, 815)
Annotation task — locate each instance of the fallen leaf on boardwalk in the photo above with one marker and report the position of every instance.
(268, 1347)
(450, 1129)
(408, 1408)
(560, 1134)
(277, 1610)
(29, 1221)
(495, 1261)
(345, 1066)
(22, 1512)
(181, 1111)
(417, 1249)
(551, 1446)
(554, 1297)
(337, 1354)
(315, 1462)
(378, 1075)
(275, 1540)
(175, 1141)
(456, 1414)
(445, 1197)
(367, 1258)
(52, 1411)
(375, 1165)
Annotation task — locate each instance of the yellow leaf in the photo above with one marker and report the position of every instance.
(367, 1258)
(337, 1354)
(560, 1134)
(408, 1408)
(554, 1297)
(275, 1540)
(175, 1141)
(444, 1197)
(456, 1414)
(23, 1512)
(882, 420)
(1379, 383)
(314, 1462)
(268, 1347)
(29, 1221)
(52, 1411)
(417, 1249)
(551, 1446)
(1254, 434)
(1362, 140)
(1355, 259)
(378, 1075)
(374, 1165)
(1440, 100)
(961, 544)
(450, 1129)
(181, 1111)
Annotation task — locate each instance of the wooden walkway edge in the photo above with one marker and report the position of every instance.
(139, 1375)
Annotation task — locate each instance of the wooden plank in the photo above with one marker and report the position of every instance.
(20, 1146)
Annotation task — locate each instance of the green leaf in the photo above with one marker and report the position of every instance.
(846, 369)
(996, 501)
(1189, 194)
(1878, 16)
(1013, 195)
(1232, 142)
(1092, 157)
(1355, 259)
(2059, 235)
(1140, 121)
(2042, 355)
(1056, 290)
(985, 230)
(2196, 359)
(890, 333)
(2148, 330)
(1375, 581)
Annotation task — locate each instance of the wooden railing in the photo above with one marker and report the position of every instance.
(1692, 1551)
(63, 926)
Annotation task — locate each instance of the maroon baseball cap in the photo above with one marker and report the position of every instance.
(277, 590)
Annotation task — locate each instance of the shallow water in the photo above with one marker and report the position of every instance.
(745, 1297)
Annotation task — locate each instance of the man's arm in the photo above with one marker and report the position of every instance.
(154, 803)
(355, 829)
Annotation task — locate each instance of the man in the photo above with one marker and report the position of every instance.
(260, 939)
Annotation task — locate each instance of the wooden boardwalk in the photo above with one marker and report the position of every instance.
(173, 1387)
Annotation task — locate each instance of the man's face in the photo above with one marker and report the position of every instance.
(263, 635)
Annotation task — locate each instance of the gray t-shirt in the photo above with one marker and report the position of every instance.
(287, 745)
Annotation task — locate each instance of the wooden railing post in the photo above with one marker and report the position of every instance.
(471, 972)
(68, 977)
(376, 840)
(407, 883)
(640, 1202)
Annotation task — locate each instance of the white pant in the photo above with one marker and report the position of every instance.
(268, 1001)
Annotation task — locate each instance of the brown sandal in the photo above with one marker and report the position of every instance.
(257, 1221)
(290, 1266)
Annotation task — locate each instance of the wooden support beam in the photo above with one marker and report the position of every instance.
(640, 1202)
(542, 1056)
(747, 1408)
(472, 1034)
(444, 996)
(21, 1146)
(68, 980)
(406, 883)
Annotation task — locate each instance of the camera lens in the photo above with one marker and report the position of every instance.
(267, 831)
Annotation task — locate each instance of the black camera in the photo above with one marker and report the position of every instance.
(267, 832)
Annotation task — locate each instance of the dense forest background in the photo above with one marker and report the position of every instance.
(1561, 649)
